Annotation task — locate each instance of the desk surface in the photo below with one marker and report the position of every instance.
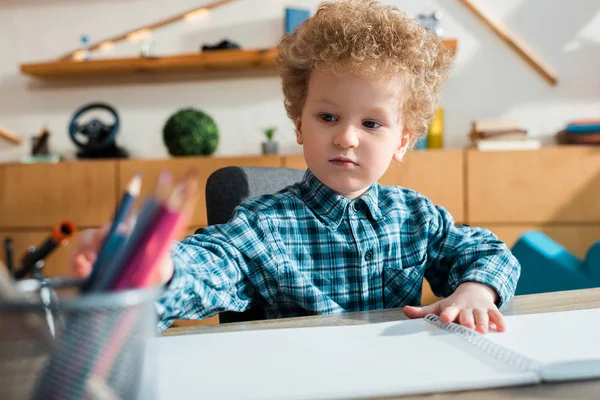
(532, 304)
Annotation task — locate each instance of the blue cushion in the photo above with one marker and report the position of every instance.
(546, 266)
(592, 262)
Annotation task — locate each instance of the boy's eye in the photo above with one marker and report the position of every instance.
(328, 117)
(371, 124)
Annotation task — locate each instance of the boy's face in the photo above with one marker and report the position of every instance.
(351, 128)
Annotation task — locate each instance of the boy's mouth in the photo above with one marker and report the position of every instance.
(343, 162)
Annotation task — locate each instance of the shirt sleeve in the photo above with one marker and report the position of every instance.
(458, 254)
(212, 271)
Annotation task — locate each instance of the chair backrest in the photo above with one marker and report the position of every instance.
(227, 187)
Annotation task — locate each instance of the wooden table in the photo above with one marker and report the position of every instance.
(531, 304)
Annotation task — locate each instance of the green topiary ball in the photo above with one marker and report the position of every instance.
(190, 132)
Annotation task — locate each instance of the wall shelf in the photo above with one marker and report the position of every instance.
(225, 61)
(220, 61)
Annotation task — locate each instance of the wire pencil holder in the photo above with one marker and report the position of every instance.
(74, 346)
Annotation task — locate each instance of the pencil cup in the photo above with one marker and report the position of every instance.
(74, 347)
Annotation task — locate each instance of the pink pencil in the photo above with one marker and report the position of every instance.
(144, 266)
(150, 252)
(148, 275)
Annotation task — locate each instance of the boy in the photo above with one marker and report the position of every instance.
(361, 83)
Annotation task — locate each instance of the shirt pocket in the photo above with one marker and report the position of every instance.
(402, 281)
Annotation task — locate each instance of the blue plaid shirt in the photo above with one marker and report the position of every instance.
(307, 250)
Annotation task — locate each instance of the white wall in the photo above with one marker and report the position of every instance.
(489, 80)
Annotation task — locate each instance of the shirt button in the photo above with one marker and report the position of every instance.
(356, 207)
(369, 255)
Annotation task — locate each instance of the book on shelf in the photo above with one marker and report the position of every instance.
(499, 134)
(503, 145)
(483, 125)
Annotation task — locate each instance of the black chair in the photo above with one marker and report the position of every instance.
(226, 188)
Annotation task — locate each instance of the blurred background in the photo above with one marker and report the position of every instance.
(490, 79)
(93, 91)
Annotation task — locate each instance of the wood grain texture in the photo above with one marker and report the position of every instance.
(204, 166)
(530, 304)
(293, 161)
(437, 174)
(214, 320)
(556, 184)
(224, 60)
(42, 195)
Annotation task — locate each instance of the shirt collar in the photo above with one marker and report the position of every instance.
(330, 207)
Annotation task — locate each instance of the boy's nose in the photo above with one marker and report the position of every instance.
(347, 137)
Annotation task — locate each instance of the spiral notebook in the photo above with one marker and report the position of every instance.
(373, 360)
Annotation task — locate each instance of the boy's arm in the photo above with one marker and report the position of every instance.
(459, 254)
(212, 269)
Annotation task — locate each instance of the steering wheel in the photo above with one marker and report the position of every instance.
(99, 135)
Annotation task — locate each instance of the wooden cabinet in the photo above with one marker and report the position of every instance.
(294, 162)
(555, 190)
(42, 195)
(438, 174)
(557, 185)
(204, 166)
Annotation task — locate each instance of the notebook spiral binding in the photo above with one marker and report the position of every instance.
(507, 356)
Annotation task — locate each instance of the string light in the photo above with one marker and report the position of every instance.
(196, 14)
(139, 34)
(106, 45)
(79, 55)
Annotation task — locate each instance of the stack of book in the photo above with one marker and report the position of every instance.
(487, 135)
(581, 132)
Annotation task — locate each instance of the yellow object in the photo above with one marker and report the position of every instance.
(11, 137)
(435, 136)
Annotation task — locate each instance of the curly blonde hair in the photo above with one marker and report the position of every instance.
(366, 37)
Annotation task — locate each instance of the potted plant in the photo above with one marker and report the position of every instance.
(270, 146)
(190, 132)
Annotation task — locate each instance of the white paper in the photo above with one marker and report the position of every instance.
(553, 337)
(324, 363)
(566, 343)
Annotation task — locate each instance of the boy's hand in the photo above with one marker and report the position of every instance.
(471, 305)
(86, 250)
(88, 246)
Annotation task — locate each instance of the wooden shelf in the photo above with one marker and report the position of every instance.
(216, 61)
(223, 60)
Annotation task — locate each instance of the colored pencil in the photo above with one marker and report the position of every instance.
(133, 260)
(171, 219)
(111, 243)
(143, 228)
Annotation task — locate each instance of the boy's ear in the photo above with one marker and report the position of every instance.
(403, 147)
(299, 139)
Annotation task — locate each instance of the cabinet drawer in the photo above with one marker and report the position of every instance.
(42, 195)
